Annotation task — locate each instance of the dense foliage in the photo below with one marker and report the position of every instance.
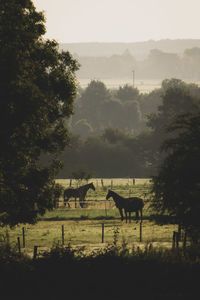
(176, 188)
(111, 141)
(111, 272)
(97, 108)
(178, 98)
(112, 154)
(37, 88)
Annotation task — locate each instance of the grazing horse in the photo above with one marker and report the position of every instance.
(77, 193)
(133, 204)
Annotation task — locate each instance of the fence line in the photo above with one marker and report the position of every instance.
(100, 196)
(104, 236)
(105, 182)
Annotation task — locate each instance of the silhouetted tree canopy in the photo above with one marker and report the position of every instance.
(178, 98)
(112, 154)
(102, 108)
(37, 88)
(127, 93)
(176, 188)
(119, 147)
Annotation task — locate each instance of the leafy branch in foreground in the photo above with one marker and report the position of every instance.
(37, 89)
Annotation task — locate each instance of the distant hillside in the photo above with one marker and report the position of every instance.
(138, 49)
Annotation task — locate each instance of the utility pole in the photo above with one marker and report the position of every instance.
(133, 78)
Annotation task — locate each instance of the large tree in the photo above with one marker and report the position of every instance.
(37, 88)
(178, 98)
(91, 104)
(176, 188)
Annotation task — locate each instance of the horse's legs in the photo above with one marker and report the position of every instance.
(125, 214)
(141, 215)
(66, 201)
(137, 216)
(129, 216)
(81, 200)
(121, 214)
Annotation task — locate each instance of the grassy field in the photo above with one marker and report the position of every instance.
(88, 233)
(122, 186)
(108, 182)
(83, 226)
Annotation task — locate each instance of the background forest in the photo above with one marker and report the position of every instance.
(118, 133)
(150, 60)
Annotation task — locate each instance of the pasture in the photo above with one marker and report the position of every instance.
(143, 85)
(80, 232)
(83, 226)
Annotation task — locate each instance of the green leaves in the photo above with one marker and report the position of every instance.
(37, 89)
(176, 188)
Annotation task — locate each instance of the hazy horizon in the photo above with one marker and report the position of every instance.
(127, 21)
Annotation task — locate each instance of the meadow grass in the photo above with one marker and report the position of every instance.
(123, 187)
(88, 232)
(83, 226)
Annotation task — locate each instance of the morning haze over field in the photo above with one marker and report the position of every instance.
(100, 153)
(111, 39)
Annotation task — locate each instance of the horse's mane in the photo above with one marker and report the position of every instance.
(88, 184)
(115, 194)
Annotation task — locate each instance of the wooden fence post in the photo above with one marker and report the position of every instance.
(63, 235)
(23, 237)
(105, 208)
(133, 181)
(102, 237)
(102, 182)
(111, 184)
(179, 232)
(173, 239)
(18, 244)
(75, 204)
(35, 252)
(177, 240)
(140, 231)
(185, 240)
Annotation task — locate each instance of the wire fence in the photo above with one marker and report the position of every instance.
(125, 187)
(30, 240)
(95, 222)
(104, 182)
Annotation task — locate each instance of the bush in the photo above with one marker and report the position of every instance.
(113, 272)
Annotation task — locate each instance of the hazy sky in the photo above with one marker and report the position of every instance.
(120, 20)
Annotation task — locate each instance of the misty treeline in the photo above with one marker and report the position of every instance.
(118, 133)
(157, 65)
(139, 50)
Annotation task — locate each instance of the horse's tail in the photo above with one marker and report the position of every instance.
(142, 201)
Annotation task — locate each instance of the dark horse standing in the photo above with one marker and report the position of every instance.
(77, 193)
(133, 204)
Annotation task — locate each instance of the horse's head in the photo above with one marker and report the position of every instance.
(92, 186)
(109, 194)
